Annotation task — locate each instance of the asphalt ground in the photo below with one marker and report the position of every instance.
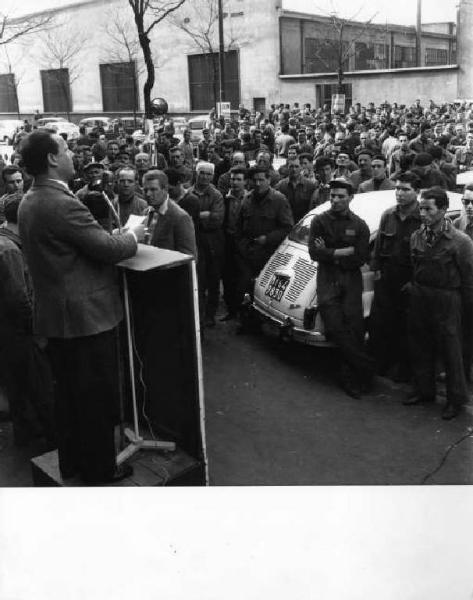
(275, 416)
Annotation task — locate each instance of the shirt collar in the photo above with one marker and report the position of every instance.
(162, 210)
(63, 183)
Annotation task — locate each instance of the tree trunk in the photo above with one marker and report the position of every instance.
(150, 79)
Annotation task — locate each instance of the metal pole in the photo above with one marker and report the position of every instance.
(221, 54)
(419, 34)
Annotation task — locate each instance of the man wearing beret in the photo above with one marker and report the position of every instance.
(339, 242)
(210, 240)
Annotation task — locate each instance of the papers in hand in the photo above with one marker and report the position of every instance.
(135, 221)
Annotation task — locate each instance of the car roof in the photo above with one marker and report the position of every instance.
(371, 205)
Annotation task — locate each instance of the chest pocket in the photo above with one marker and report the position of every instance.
(437, 270)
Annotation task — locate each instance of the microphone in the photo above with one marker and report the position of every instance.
(147, 236)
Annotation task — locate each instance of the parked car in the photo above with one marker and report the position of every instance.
(91, 122)
(60, 125)
(196, 125)
(128, 124)
(285, 292)
(8, 128)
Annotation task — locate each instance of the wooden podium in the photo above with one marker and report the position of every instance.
(162, 312)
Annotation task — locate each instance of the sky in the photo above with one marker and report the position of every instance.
(402, 12)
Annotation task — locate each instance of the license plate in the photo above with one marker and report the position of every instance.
(276, 288)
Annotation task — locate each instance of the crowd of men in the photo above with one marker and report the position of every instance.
(229, 201)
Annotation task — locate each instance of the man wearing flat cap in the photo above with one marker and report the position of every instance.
(339, 242)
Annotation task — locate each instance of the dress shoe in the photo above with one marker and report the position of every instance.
(414, 398)
(450, 412)
(351, 390)
(228, 317)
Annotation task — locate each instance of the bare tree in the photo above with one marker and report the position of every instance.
(342, 42)
(200, 23)
(14, 82)
(148, 14)
(12, 29)
(61, 50)
(121, 45)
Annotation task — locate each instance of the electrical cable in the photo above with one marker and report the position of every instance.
(141, 379)
(447, 452)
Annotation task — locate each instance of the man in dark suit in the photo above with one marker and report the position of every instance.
(77, 307)
(169, 225)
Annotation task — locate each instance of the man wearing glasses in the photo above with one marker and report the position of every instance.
(391, 264)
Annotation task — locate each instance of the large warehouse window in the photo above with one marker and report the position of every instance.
(321, 55)
(203, 80)
(56, 90)
(435, 57)
(8, 97)
(119, 86)
(404, 57)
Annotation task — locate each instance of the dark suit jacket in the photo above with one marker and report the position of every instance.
(368, 186)
(71, 260)
(175, 231)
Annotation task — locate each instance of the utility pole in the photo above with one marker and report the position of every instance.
(419, 34)
(221, 54)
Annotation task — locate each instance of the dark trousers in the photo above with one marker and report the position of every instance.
(230, 276)
(86, 395)
(435, 331)
(28, 381)
(209, 272)
(341, 309)
(388, 326)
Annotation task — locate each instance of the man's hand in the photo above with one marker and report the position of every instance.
(319, 242)
(204, 214)
(344, 251)
(261, 240)
(138, 230)
(377, 275)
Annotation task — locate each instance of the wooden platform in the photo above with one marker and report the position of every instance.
(150, 468)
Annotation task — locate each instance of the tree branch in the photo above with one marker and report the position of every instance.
(11, 30)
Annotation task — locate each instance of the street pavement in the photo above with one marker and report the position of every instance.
(275, 416)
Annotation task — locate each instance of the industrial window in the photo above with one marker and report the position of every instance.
(203, 80)
(119, 87)
(56, 90)
(436, 56)
(8, 97)
(404, 57)
(371, 56)
(321, 56)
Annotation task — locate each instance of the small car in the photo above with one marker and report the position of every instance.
(91, 122)
(285, 291)
(60, 125)
(8, 128)
(196, 125)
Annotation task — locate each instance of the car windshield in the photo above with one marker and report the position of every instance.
(300, 232)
